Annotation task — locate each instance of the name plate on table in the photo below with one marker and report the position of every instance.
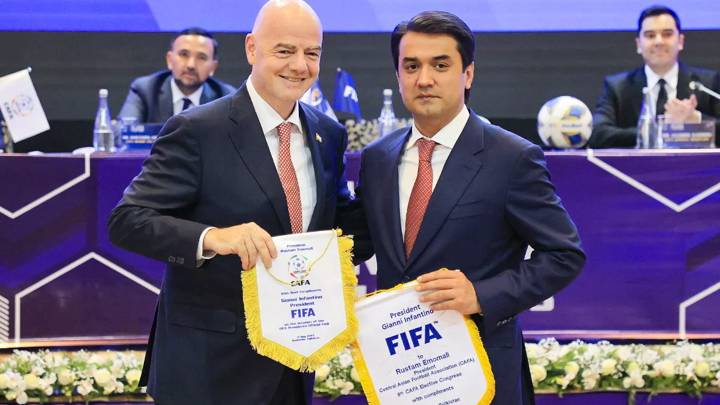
(687, 136)
(408, 354)
(139, 136)
(300, 312)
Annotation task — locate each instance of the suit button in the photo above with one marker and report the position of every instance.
(180, 260)
(171, 259)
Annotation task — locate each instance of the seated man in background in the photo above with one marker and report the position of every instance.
(191, 61)
(659, 40)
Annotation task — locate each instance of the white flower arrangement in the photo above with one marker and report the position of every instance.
(589, 367)
(338, 377)
(362, 133)
(39, 376)
(576, 367)
(682, 367)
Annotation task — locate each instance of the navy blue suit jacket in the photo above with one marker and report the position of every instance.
(618, 108)
(493, 198)
(211, 167)
(150, 97)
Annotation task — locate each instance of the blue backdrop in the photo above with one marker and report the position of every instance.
(343, 16)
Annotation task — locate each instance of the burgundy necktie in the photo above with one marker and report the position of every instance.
(420, 195)
(288, 178)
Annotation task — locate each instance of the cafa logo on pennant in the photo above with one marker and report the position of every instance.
(21, 107)
(406, 353)
(301, 311)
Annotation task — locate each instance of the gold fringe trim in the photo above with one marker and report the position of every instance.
(285, 355)
(366, 381)
(474, 335)
(476, 340)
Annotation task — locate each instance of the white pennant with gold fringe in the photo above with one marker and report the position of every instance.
(300, 312)
(408, 354)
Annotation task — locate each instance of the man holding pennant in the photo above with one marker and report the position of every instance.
(454, 203)
(221, 180)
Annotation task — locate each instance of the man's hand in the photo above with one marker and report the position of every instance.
(682, 111)
(245, 240)
(449, 289)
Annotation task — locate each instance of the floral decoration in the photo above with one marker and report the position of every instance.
(686, 367)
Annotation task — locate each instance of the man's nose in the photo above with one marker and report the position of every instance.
(298, 63)
(425, 77)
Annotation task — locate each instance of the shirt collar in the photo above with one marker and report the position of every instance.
(268, 117)
(448, 135)
(671, 77)
(178, 95)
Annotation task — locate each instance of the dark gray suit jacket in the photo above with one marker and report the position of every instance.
(493, 198)
(150, 97)
(618, 109)
(211, 167)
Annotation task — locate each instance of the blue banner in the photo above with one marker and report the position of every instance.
(314, 97)
(346, 98)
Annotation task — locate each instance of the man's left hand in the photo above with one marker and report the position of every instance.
(449, 289)
(682, 111)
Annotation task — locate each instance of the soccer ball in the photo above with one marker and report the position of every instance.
(564, 122)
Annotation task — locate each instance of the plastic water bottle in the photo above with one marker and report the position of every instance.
(2, 136)
(387, 119)
(103, 138)
(645, 122)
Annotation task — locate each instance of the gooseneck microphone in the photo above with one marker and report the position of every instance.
(695, 85)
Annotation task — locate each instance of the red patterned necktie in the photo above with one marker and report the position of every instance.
(288, 178)
(420, 195)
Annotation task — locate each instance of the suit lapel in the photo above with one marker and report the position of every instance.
(207, 94)
(312, 136)
(248, 139)
(460, 168)
(165, 104)
(391, 214)
(683, 84)
(639, 81)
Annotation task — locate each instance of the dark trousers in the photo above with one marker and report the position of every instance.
(290, 390)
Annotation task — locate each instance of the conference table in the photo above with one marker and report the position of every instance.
(649, 223)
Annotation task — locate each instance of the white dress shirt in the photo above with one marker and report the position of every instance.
(299, 152)
(299, 149)
(671, 81)
(178, 96)
(407, 170)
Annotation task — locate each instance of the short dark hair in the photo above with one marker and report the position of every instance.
(654, 11)
(437, 22)
(201, 32)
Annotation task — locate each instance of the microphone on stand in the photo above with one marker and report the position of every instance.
(695, 85)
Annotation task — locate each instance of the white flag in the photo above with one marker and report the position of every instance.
(21, 107)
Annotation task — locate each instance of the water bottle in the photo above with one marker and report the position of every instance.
(6, 141)
(103, 138)
(2, 136)
(387, 120)
(645, 122)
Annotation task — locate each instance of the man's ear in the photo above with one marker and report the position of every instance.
(250, 48)
(469, 75)
(681, 45)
